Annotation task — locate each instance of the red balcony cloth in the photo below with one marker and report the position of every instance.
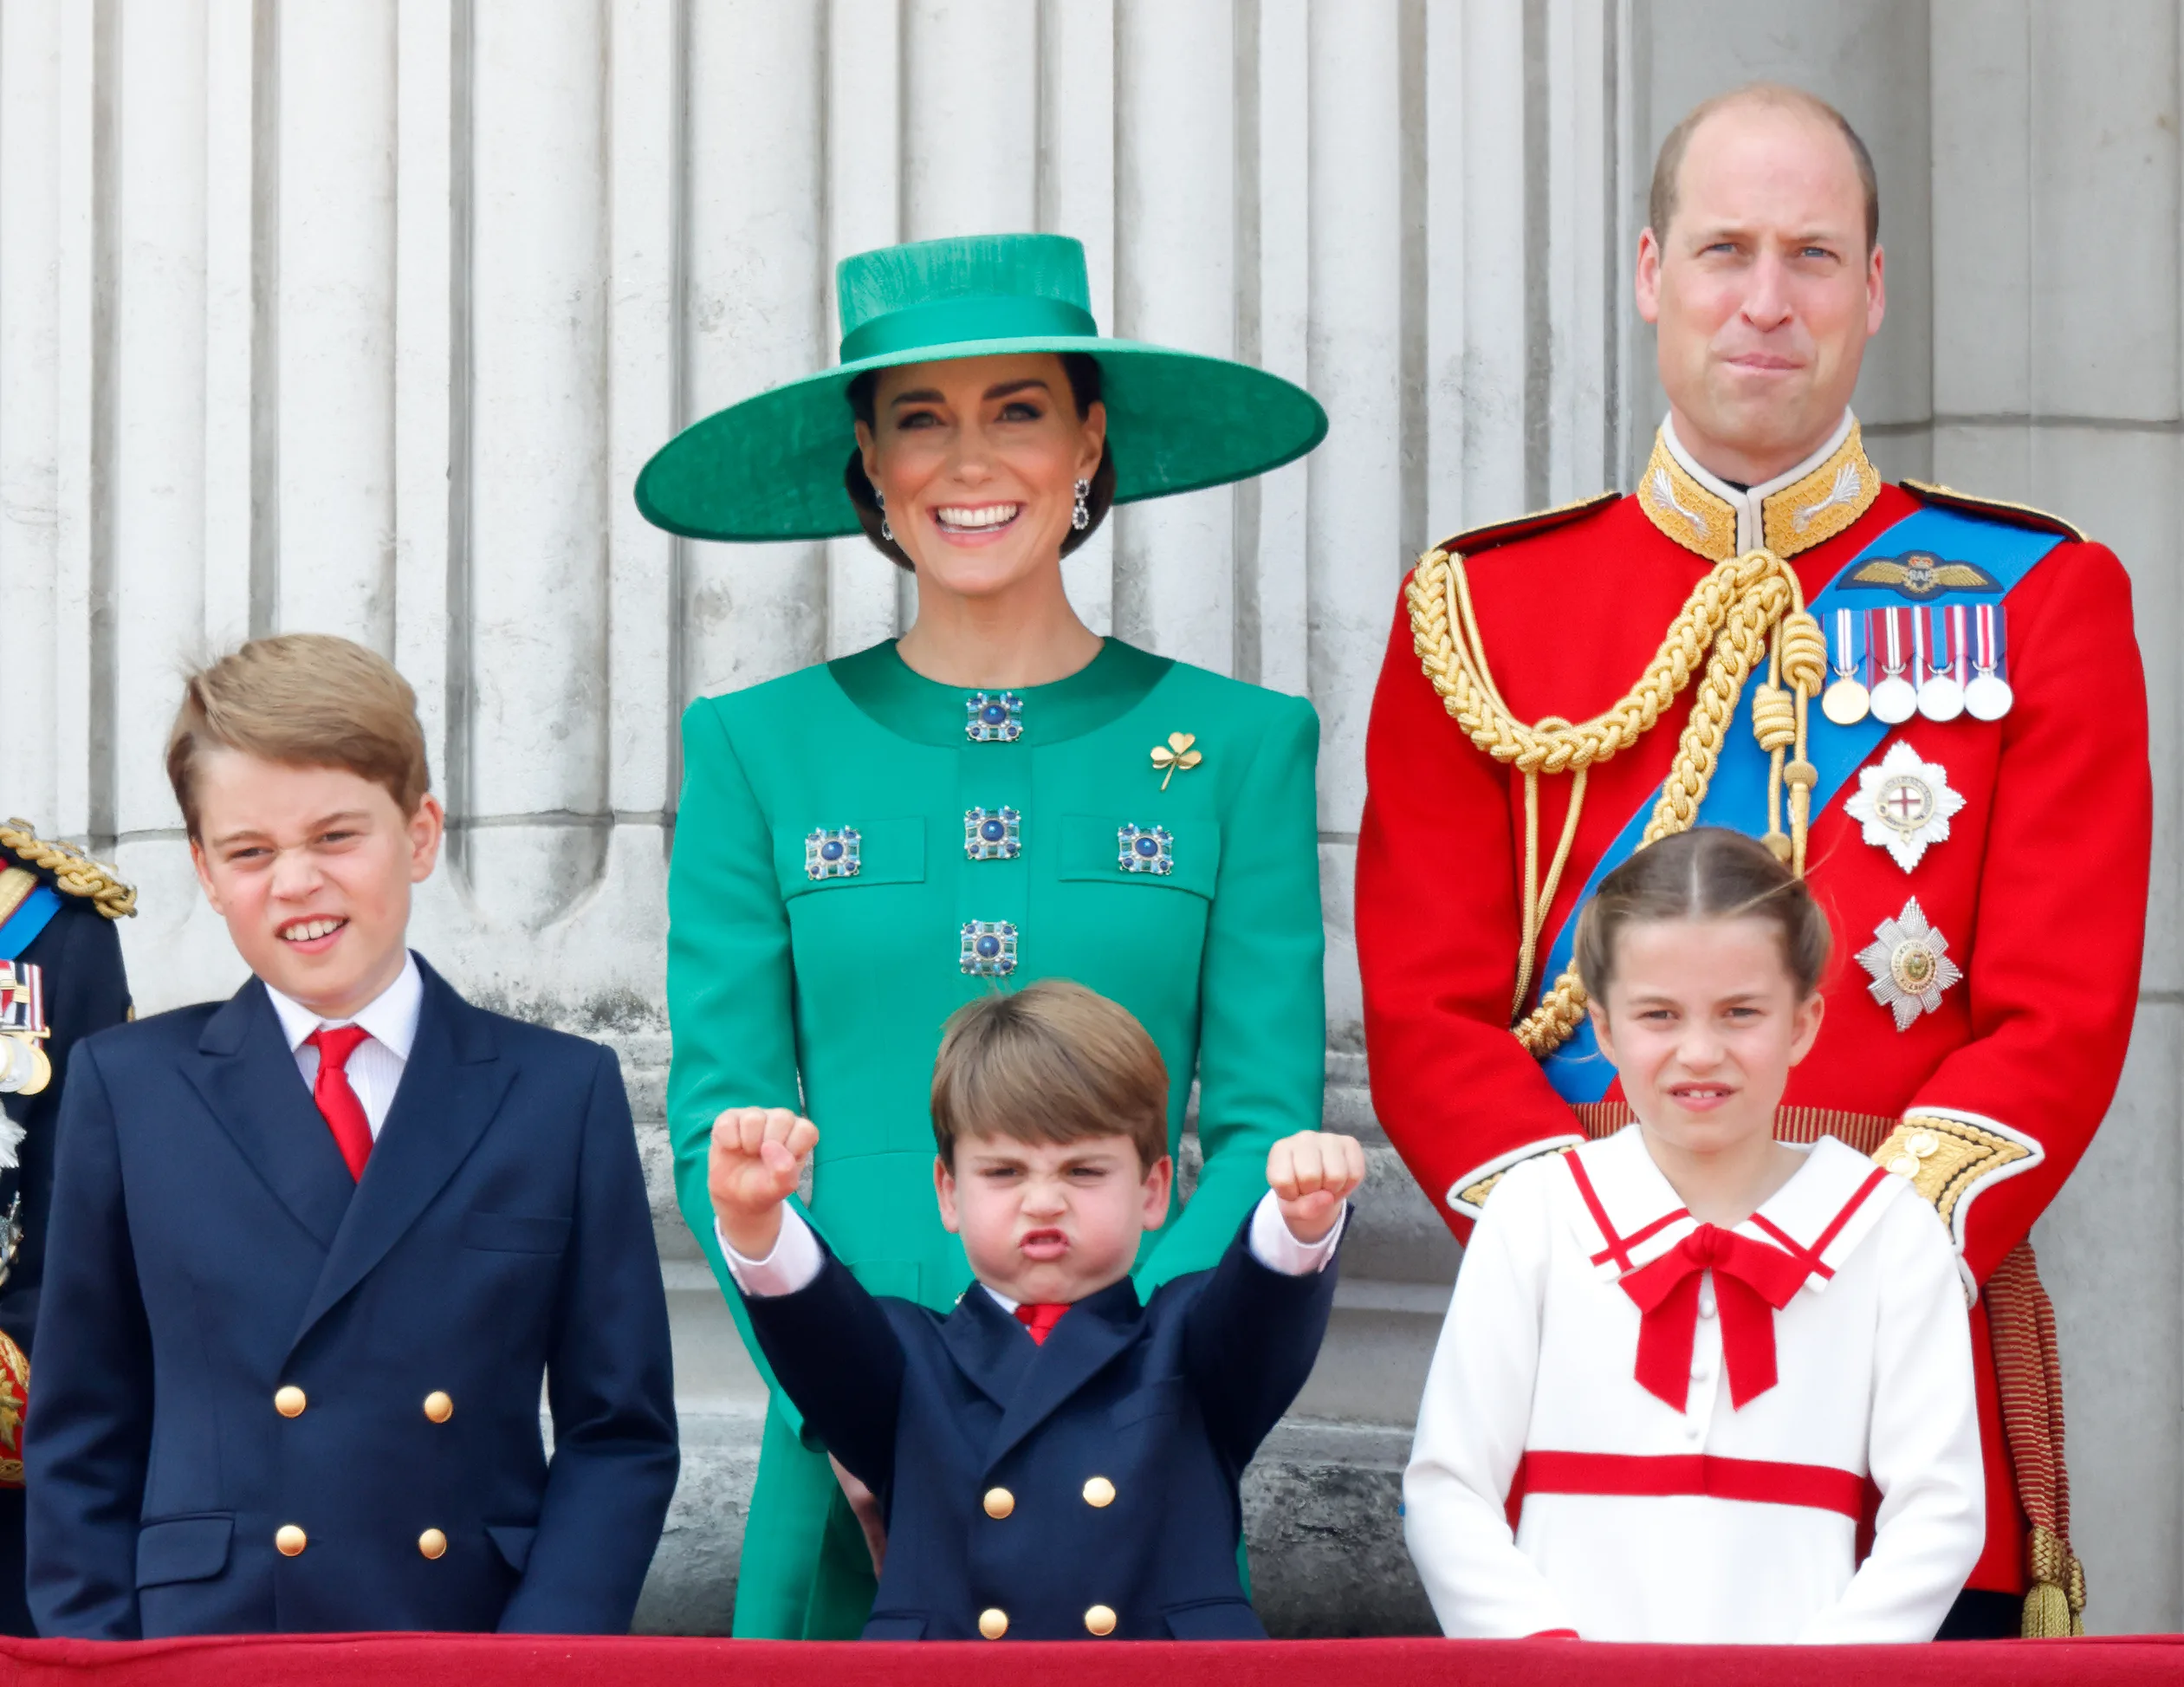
(526, 1661)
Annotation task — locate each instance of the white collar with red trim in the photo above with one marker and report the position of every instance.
(1830, 1205)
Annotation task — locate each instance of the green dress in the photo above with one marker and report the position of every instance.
(860, 851)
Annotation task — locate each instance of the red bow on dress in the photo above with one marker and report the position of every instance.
(1751, 1281)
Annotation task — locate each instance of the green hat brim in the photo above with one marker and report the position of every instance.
(770, 468)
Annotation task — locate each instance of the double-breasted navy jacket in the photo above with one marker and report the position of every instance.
(1086, 1486)
(209, 1253)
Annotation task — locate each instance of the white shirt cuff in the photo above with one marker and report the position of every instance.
(1274, 1247)
(792, 1264)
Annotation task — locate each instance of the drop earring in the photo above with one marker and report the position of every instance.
(886, 531)
(1080, 517)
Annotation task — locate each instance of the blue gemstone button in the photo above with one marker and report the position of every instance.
(994, 718)
(834, 854)
(988, 948)
(993, 834)
(1146, 849)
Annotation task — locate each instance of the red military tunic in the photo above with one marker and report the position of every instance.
(2039, 890)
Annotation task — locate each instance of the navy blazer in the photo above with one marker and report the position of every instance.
(1112, 1453)
(210, 1249)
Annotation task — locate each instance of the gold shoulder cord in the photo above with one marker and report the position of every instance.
(1726, 623)
(73, 871)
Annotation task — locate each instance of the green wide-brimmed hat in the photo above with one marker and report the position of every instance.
(771, 467)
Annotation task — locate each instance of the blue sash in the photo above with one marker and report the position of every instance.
(28, 920)
(1737, 796)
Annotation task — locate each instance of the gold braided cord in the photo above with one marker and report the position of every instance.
(1538, 895)
(73, 871)
(1745, 611)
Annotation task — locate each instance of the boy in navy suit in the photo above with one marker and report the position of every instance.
(315, 1248)
(1050, 1460)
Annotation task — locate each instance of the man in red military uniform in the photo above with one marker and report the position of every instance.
(1933, 703)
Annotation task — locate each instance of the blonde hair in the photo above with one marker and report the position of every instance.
(305, 699)
(1052, 1063)
(1707, 872)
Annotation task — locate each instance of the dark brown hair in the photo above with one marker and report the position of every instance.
(307, 700)
(1083, 370)
(1709, 873)
(1668, 165)
(1052, 1063)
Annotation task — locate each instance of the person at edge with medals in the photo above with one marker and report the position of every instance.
(61, 979)
(1000, 796)
(1931, 705)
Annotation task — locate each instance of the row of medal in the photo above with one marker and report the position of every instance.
(24, 1069)
(1939, 660)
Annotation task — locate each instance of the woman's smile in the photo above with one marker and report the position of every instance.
(976, 523)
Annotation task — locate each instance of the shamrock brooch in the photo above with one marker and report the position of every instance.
(1176, 755)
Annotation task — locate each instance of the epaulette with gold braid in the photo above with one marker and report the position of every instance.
(73, 871)
(2016, 514)
(1477, 539)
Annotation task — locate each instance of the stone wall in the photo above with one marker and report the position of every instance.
(360, 315)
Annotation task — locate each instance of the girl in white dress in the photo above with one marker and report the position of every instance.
(1684, 1364)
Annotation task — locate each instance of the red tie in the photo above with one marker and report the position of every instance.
(1751, 1282)
(344, 1112)
(1041, 1320)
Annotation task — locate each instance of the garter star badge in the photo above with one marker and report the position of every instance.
(1905, 804)
(1909, 963)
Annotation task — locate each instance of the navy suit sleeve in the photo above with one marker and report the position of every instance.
(1250, 1336)
(89, 1437)
(840, 1361)
(611, 1388)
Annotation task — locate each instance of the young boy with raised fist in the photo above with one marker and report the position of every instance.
(1051, 1460)
(315, 1248)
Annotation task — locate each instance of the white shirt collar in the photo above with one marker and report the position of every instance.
(1750, 502)
(390, 1017)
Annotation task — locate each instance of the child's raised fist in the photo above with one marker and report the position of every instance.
(1311, 1174)
(758, 1156)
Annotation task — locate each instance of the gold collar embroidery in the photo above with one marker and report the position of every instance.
(1791, 516)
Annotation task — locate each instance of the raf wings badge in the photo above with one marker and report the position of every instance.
(1918, 575)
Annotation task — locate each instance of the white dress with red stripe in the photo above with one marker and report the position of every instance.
(1686, 1423)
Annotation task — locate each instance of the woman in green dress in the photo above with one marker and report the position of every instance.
(997, 797)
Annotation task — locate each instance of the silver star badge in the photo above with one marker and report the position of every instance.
(1910, 965)
(1905, 804)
